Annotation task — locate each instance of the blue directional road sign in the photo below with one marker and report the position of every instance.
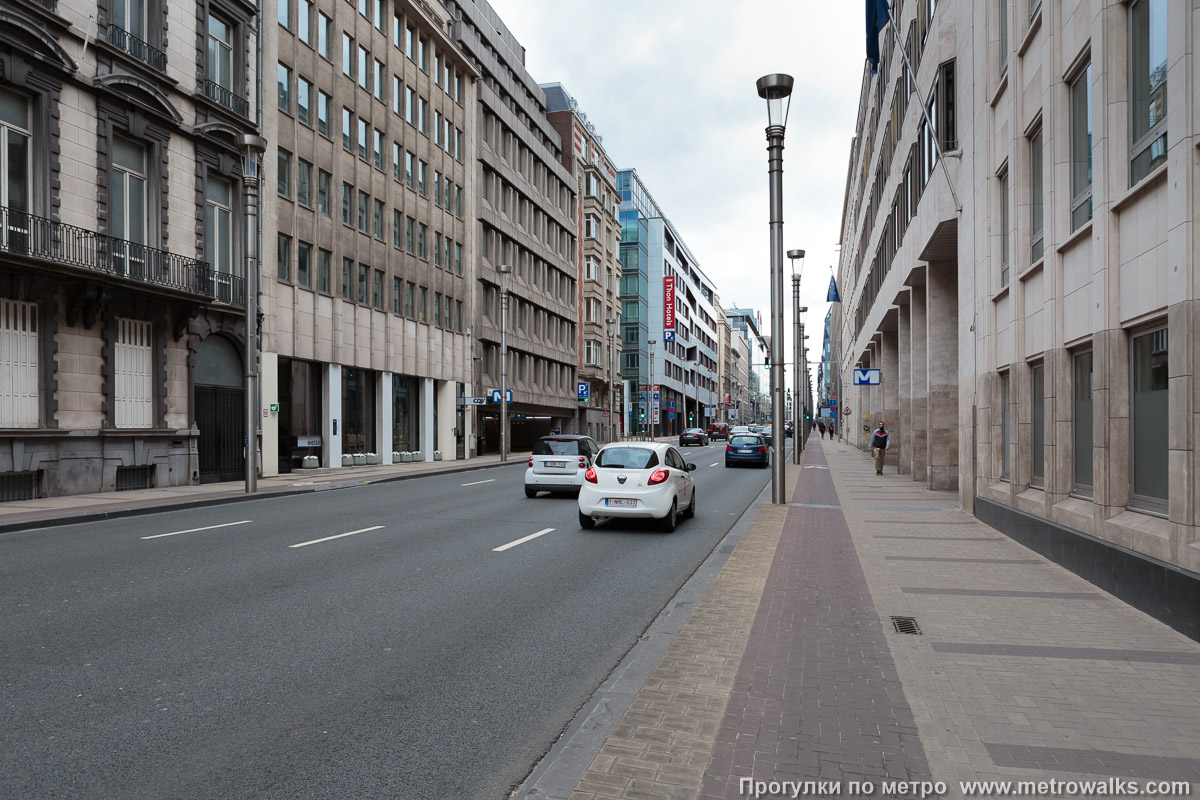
(496, 395)
(584, 390)
(866, 377)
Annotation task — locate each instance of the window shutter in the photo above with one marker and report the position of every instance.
(133, 373)
(18, 365)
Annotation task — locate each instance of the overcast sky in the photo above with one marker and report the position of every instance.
(670, 86)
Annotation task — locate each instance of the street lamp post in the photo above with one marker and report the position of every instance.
(777, 91)
(612, 395)
(797, 332)
(505, 271)
(252, 147)
(650, 393)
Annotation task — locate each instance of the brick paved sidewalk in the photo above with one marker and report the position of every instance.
(1023, 671)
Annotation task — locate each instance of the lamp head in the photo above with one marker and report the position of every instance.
(776, 89)
(505, 269)
(795, 254)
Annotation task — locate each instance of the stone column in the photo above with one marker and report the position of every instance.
(383, 430)
(889, 393)
(331, 391)
(447, 400)
(427, 401)
(919, 383)
(942, 294)
(904, 422)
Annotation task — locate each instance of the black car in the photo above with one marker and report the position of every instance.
(693, 436)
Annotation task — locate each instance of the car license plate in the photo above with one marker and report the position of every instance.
(744, 452)
(620, 502)
(556, 464)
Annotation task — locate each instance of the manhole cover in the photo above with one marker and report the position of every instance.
(906, 625)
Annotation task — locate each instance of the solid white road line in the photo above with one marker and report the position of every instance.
(339, 536)
(476, 483)
(713, 465)
(194, 530)
(522, 540)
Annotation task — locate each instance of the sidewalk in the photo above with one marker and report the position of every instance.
(18, 515)
(790, 670)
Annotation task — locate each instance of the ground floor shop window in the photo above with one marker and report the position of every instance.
(1081, 424)
(1037, 380)
(406, 414)
(1150, 421)
(358, 410)
(300, 412)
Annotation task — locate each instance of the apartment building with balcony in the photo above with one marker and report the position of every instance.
(1035, 346)
(368, 279)
(524, 219)
(597, 260)
(122, 235)
(668, 318)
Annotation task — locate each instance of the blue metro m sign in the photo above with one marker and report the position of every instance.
(866, 377)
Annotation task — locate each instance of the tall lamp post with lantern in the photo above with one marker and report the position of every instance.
(505, 271)
(252, 147)
(776, 89)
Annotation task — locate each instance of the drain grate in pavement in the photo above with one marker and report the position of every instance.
(906, 625)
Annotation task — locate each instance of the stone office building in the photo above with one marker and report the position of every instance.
(367, 257)
(524, 219)
(1036, 346)
(121, 255)
(597, 261)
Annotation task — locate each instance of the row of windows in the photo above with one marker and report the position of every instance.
(513, 152)
(1148, 422)
(506, 198)
(527, 368)
(502, 249)
(404, 37)
(529, 318)
(408, 299)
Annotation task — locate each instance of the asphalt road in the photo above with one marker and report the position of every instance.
(143, 658)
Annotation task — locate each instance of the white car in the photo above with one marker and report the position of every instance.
(558, 463)
(638, 480)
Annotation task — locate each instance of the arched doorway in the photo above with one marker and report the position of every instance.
(219, 410)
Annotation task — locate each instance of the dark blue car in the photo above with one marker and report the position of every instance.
(747, 449)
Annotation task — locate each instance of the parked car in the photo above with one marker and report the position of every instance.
(768, 433)
(718, 430)
(748, 448)
(693, 436)
(638, 480)
(739, 430)
(557, 463)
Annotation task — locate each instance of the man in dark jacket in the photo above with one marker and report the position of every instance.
(880, 441)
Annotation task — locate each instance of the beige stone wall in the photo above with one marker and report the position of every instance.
(80, 365)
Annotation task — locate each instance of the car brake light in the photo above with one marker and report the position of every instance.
(531, 462)
(728, 448)
(590, 475)
(582, 462)
(658, 476)
(762, 449)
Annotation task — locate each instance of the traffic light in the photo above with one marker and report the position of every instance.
(642, 414)
(691, 416)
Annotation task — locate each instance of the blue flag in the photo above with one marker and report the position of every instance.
(877, 17)
(832, 295)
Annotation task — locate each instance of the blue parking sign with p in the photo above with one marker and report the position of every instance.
(583, 390)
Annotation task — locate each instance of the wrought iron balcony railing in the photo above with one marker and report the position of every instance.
(41, 239)
(119, 37)
(214, 91)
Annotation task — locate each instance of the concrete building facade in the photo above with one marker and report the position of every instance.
(597, 261)
(122, 257)
(368, 288)
(525, 218)
(668, 318)
(1035, 332)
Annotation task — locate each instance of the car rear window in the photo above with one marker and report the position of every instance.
(627, 458)
(746, 441)
(556, 447)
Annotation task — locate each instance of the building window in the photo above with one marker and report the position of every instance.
(220, 53)
(283, 256)
(377, 219)
(591, 353)
(1147, 86)
(323, 189)
(218, 234)
(15, 158)
(437, 309)
(347, 204)
(1081, 418)
(422, 115)
(364, 68)
(133, 375)
(409, 178)
(379, 80)
(363, 275)
(347, 130)
(1002, 31)
(18, 364)
(363, 205)
(377, 290)
(283, 12)
(348, 278)
(1149, 444)
(324, 34)
(127, 199)
(304, 263)
(410, 235)
(458, 267)
(304, 22)
(593, 310)
(377, 149)
(410, 43)
(591, 227)
(304, 183)
(303, 100)
(323, 101)
(422, 167)
(1005, 249)
(347, 55)
(362, 138)
(284, 178)
(283, 78)
(1081, 148)
(1036, 198)
(324, 257)
(396, 294)
(1037, 417)
(409, 304)
(422, 231)
(423, 305)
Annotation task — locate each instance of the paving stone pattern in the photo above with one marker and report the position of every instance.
(817, 697)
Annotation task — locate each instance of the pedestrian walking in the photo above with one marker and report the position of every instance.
(821, 428)
(880, 442)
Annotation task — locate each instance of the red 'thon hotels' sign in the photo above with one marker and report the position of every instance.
(669, 303)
